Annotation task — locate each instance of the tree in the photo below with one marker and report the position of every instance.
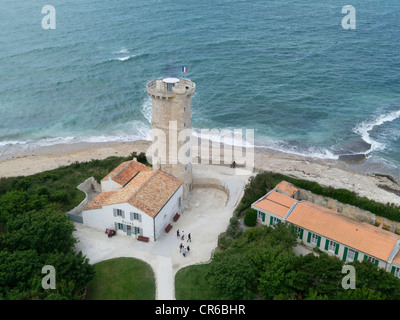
(12, 203)
(277, 276)
(17, 269)
(358, 294)
(231, 275)
(377, 280)
(321, 274)
(44, 231)
(250, 218)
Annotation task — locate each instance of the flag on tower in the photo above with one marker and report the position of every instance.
(184, 69)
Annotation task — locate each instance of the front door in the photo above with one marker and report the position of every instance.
(128, 230)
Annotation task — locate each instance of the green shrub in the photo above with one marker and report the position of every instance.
(250, 218)
(233, 230)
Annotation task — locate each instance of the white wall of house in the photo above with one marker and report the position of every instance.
(264, 217)
(164, 217)
(104, 218)
(343, 252)
(109, 185)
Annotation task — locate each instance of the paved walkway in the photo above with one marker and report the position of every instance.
(205, 216)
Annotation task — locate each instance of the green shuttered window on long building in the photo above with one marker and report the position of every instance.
(344, 253)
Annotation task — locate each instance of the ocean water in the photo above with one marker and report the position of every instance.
(286, 69)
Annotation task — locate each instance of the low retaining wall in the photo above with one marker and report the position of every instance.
(89, 186)
(349, 210)
(210, 183)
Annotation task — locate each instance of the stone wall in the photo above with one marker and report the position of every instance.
(91, 188)
(349, 210)
(210, 183)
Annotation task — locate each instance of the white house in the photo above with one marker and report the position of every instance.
(135, 200)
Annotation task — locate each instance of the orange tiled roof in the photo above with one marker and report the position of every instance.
(125, 171)
(149, 190)
(287, 188)
(361, 236)
(276, 203)
(155, 193)
(396, 258)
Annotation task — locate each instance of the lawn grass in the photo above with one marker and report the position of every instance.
(122, 279)
(190, 284)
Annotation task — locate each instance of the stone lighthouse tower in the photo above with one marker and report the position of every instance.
(171, 127)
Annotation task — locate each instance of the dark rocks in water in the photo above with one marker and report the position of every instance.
(354, 146)
(352, 158)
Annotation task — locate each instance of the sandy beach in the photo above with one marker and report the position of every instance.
(326, 172)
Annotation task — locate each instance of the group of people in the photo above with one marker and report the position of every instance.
(182, 248)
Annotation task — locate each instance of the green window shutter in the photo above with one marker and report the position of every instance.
(345, 253)
(263, 217)
(356, 256)
(115, 212)
(131, 215)
(271, 220)
(365, 257)
(326, 244)
(318, 241)
(337, 248)
(123, 214)
(393, 269)
(376, 262)
(301, 234)
(309, 237)
(116, 225)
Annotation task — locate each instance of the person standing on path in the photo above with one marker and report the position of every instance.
(189, 238)
(177, 233)
(183, 235)
(180, 247)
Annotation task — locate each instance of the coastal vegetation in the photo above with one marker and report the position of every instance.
(261, 264)
(35, 231)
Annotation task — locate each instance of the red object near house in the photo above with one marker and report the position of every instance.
(144, 239)
(168, 227)
(176, 217)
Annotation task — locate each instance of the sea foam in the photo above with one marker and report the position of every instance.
(365, 127)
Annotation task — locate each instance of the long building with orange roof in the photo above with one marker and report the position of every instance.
(136, 200)
(330, 231)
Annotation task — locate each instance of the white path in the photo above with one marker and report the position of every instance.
(206, 215)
